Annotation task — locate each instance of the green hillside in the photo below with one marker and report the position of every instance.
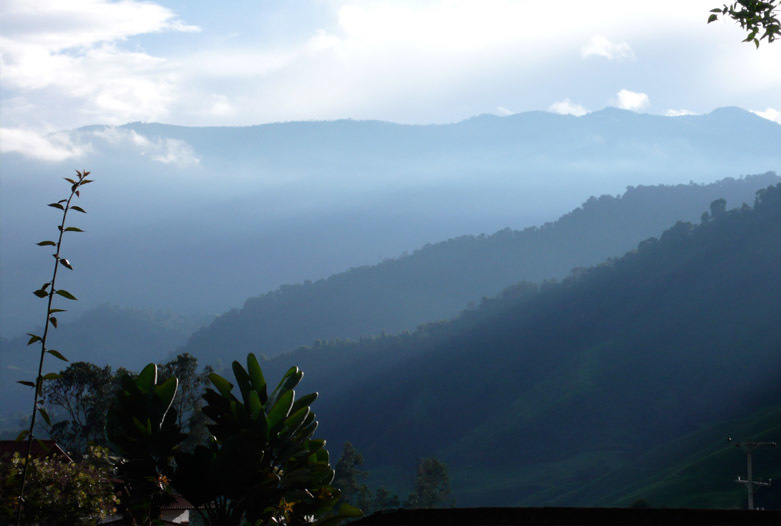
(439, 280)
(543, 390)
(698, 469)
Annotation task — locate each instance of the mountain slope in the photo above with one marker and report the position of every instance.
(696, 469)
(199, 219)
(543, 390)
(439, 280)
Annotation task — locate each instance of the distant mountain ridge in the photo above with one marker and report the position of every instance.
(439, 280)
(243, 210)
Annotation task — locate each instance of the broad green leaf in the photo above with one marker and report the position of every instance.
(281, 409)
(314, 445)
(306, 423)
(296, 476)
(47, 243)
(242, 378)
(308, 429)
(57, 354)
(304, 401)
(255, 407)
(294, 420)
(256, 376)
(65, 294)
(45, 416)
(222, 385)
(322, 456)
(713, 18)
(289, 381)
(145, 428)
(147, 378)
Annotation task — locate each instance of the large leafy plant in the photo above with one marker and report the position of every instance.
(263, 464)
(142, 428)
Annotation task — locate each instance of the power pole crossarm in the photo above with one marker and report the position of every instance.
(752, 485)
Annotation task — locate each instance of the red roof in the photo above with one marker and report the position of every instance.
(39, 449)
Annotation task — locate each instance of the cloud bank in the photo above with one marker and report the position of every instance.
(632, 100)
(601, 46)
(70, 64)
(567, 107)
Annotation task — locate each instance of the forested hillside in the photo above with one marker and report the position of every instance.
(546, 388)
(439, 280)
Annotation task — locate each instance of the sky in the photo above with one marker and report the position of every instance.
(65, 65)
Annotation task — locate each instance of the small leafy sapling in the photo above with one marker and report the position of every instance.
(47, 291)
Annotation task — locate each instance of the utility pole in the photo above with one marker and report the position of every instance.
(751, 485)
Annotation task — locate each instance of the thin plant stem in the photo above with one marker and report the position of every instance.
(39, 379)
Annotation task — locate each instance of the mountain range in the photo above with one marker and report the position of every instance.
(196, 220)
(553, 386)
(439, 280)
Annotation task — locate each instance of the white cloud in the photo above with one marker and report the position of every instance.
(57, 26)
(62, 146)
(52, 148)
(770, 114)
(678, 113)
(161, 149)
(221, 106)
(632, 100)
(120, 137)
(68, 64)
(176, 152)
(70, 51)
(504, 112)
(601, 46)
(567, 107)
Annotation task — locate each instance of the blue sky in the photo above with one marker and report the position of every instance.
(69, 64)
